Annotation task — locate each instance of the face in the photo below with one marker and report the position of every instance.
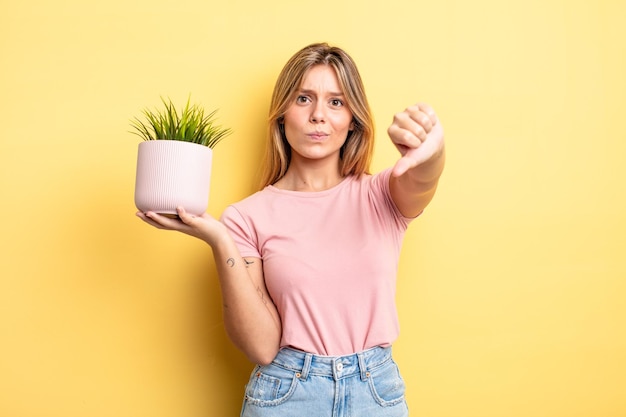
(318, 120)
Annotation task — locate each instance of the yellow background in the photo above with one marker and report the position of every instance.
(511, 292)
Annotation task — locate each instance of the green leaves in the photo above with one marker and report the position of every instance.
(191, 125)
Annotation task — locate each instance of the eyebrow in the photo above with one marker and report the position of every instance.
(332, 93)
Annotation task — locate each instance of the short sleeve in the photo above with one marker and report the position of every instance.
(382, 192)
(241, 231)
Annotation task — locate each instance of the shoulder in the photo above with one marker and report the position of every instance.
(242, 209)
(380, 180)
(254, 200)
(378, 189)
(377, 184)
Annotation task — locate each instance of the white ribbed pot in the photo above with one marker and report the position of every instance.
(172, 173)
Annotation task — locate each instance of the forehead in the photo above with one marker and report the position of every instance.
(321, 77)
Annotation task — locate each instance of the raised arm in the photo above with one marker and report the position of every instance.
(418, 135)
(250, 317)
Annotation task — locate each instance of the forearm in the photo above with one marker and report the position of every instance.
(424, 177)
(414, 189)
(250, 317)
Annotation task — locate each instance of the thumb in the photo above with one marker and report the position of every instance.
(403, 165)
(184, 216)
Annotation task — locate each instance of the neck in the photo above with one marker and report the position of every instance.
(309, 178)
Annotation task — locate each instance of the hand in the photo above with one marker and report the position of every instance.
(417, 134)
(203, 227)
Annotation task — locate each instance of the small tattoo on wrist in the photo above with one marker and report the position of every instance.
(230, 262)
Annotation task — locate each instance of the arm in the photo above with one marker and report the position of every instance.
(250, 317)
(418, 135)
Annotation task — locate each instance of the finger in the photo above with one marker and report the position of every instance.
(428, 110)
(415, 121)
(187, 218)
(402, 166)
(422, 120)
(165, 222)
(148, 220)
(415, 157)
(183, 215)
(406, 133)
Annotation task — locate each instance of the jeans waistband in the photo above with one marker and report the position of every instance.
(337, 367)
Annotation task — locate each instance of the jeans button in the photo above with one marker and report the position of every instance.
(340, 366)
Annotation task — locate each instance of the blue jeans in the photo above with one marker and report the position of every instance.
(365, 384)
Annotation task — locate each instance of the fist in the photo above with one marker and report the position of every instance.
(418, 136)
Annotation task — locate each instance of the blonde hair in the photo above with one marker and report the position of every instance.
(356, 153)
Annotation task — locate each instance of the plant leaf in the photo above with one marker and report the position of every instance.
(191, 125)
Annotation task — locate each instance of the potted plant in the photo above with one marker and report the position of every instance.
(174, 160)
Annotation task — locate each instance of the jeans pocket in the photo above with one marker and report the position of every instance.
(387, 385)
(270, 385)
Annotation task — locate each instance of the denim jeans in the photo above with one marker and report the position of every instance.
(365, 384)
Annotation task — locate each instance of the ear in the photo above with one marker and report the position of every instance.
(351, 128)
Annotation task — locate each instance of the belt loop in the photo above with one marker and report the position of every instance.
(362, 366)
(306, 367)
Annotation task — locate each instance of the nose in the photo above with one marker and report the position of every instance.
(317, 113)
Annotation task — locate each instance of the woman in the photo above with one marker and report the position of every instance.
(307, 266)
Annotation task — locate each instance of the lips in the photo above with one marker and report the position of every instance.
(317, 135)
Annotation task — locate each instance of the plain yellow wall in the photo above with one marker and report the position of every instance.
(512, 284)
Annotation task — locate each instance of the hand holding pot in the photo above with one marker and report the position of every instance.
(204, 227)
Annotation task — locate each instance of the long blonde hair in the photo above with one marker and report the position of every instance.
(356, 153)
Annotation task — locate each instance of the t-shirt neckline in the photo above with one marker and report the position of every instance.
(321, 193)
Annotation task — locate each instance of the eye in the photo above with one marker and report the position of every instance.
(336, 102)
(302, 99)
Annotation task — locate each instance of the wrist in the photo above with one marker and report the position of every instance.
(221, 241)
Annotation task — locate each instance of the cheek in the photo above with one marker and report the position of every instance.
(290, 132)
(292, 122)
(344, 123)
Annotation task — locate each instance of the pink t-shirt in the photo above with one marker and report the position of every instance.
(330, 260)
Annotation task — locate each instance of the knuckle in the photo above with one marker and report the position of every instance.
(413, 108)
(399, 117)
(411, 138)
